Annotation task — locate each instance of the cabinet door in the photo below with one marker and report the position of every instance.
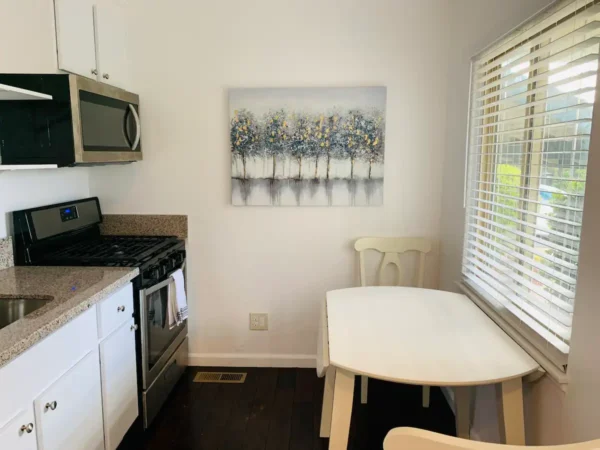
(19, 433)
(111, 45)
(75, 36)
(69, 413)
(119, 383)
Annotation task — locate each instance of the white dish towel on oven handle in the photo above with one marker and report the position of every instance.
(178, 308)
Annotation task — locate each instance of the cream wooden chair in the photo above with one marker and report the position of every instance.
(413, 439)
(391, 249)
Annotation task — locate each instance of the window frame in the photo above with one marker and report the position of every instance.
(551, 359)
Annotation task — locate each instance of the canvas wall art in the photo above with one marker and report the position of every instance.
(307, 146)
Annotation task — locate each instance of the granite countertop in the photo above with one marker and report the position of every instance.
(70, 291)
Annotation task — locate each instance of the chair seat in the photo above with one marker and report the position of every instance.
(414, 439)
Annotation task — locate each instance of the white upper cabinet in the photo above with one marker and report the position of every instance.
(75, 37)
(69, 413)
(111, 45)
(92, 41)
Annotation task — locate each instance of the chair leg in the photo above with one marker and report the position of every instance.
(342, 410)
(426, 396)
(364, 389)
(327, 402)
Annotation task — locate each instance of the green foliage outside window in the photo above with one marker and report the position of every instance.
(508, 176)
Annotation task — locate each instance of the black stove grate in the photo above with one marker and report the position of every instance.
(121, 250)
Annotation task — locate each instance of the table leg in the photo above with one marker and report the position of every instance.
(426, 396)
(462, 402)
(364, 389)
(512, 411)
(327, 402)
(342, 410)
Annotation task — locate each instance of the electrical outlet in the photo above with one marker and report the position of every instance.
(259, 321)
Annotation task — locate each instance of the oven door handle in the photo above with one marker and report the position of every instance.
(157, 287)
(162, 284)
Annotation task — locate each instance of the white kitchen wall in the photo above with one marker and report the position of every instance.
(27, 36)
(281, 261)
(186, 54)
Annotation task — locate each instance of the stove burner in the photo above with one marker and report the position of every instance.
(111, 250)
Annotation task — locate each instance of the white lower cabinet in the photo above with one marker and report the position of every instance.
(69, 413)
(20, 432)
(77, 388)
(119, 383)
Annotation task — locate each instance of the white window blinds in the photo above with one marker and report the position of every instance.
(532, 99)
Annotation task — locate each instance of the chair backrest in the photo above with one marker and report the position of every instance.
(391, 249)
(413, 439)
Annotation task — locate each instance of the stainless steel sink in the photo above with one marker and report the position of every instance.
(13, 309)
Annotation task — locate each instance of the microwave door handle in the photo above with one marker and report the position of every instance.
(138, 127)
(126, 128)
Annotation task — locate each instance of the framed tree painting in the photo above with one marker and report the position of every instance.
(307, 146)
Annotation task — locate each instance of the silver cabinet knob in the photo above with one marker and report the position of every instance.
(134, 327)
(27, 428)
(94, 72)
(51, 405)
(106, 76)
(121, 308)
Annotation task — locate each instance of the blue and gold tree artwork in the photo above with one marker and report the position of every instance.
(307, 146)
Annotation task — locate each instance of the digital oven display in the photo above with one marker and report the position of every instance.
(68, 213)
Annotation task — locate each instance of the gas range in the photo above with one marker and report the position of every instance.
(155, 256)
(68, 234)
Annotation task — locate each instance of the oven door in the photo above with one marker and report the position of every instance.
(158, 341)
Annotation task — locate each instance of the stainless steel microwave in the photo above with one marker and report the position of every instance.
(84, 123)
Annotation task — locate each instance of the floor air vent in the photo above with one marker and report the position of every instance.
(220, 377)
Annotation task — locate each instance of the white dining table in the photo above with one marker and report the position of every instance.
(421, 337)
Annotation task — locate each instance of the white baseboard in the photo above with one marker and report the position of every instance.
(251, 360)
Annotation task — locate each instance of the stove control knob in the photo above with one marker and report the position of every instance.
(164, 267)
(179, 257)
(151, 273)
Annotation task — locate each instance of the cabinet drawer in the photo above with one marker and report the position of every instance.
(115, 311)
(29, 374)
(20, 433)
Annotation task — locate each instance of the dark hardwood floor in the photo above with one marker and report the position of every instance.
(280, 409)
